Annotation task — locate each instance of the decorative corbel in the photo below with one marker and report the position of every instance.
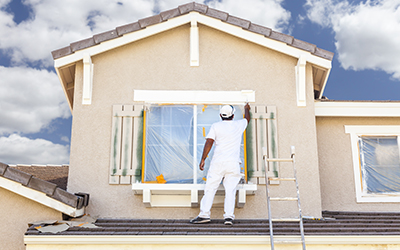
(87, 80)
(300, 69)
(194, 43)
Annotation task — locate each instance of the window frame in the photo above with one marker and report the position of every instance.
(356, 131)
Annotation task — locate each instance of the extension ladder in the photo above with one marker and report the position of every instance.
(269, 199)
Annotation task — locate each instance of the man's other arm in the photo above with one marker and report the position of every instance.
(206, 150)
(247, 112)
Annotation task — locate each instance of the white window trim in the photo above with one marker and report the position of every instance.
(187, 195)
(369, 130)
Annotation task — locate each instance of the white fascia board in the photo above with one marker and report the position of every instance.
(39, 197)
(123, 40)
(203, 19)
(357, 109)
(262, 40)
(194, 96)
(202, 240)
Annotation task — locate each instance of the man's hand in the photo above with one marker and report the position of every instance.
(247, 112)
(201, 165)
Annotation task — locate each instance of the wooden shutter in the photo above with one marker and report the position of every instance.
(126, 134)
(262, 132)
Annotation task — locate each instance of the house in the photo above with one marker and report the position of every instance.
(144, 95)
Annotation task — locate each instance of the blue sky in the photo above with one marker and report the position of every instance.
(35, 121)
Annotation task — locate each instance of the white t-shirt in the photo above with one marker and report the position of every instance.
(227, 136)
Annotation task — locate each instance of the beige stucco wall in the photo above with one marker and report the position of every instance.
(16, 212)
(161, 62)
(336, 164)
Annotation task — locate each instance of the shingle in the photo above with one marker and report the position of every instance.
(18, 176)
(324, 53)
(61, 52)
(260, 29)
(186, 8)
(108, 35)
(42, 186)
(149, 21)
(281, 37)
(202, 8)
(245, 24)
(304, 45)
(3, 168)
(83, 44)
(65, 197)
(217, 14)
(131, 27)
(165, 15)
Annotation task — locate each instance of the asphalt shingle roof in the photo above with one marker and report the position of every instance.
(333, 223)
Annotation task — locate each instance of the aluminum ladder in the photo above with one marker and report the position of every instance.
(269, 199)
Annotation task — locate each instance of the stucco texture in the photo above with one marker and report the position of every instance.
(336, 164)
(16, 212)
(161, 62)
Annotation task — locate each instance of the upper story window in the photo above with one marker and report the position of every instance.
(376, 162)
(174, 141)
(380, 164)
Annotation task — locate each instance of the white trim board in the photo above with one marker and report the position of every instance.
(39, 197)
(188, 18)
(359, 130)
(358, 109)
(203, 240)
(194, 96)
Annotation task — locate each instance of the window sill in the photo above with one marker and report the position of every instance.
(378, 198)
(185, 195)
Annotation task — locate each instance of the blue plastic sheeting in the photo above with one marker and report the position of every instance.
(380, 164)
(169, 141)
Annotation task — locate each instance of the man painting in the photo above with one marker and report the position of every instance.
(227, 135)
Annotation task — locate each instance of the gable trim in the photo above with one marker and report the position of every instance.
(357, 109)
(39, 197)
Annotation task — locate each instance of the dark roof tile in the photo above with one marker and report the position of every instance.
(18, 176)
(3, 168)
(260, 29)
(281, 37)
(217, 14)
(127, 28)
(304, 45)
(108, 35)
(150, 21)
(61, 52)
(186, 8)
(82, 44)
(165, 15)
(65, 197)
(238, 22)
(323, 53)
(42, 186)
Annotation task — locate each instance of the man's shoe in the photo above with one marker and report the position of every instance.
(228, 221)
(199, 220)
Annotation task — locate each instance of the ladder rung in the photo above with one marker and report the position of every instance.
(286, 219)
(281, 179)
(284, 199)
(288, 241)
(279, 160)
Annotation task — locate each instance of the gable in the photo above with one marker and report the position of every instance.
(195, 15)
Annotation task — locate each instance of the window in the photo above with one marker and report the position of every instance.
(376, 162)
(174, 141)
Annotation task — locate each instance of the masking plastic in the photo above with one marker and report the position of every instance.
(169, 141)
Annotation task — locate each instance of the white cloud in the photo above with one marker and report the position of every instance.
(268, 13)
(367, 34)
(55, 24)
(29, 99)
(21, 150)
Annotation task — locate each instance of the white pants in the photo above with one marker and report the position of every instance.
(231, 172)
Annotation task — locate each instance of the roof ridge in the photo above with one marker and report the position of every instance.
(182, 10)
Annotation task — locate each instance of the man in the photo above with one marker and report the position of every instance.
(227, 135)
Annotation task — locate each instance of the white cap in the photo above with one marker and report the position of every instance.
(227, 111)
